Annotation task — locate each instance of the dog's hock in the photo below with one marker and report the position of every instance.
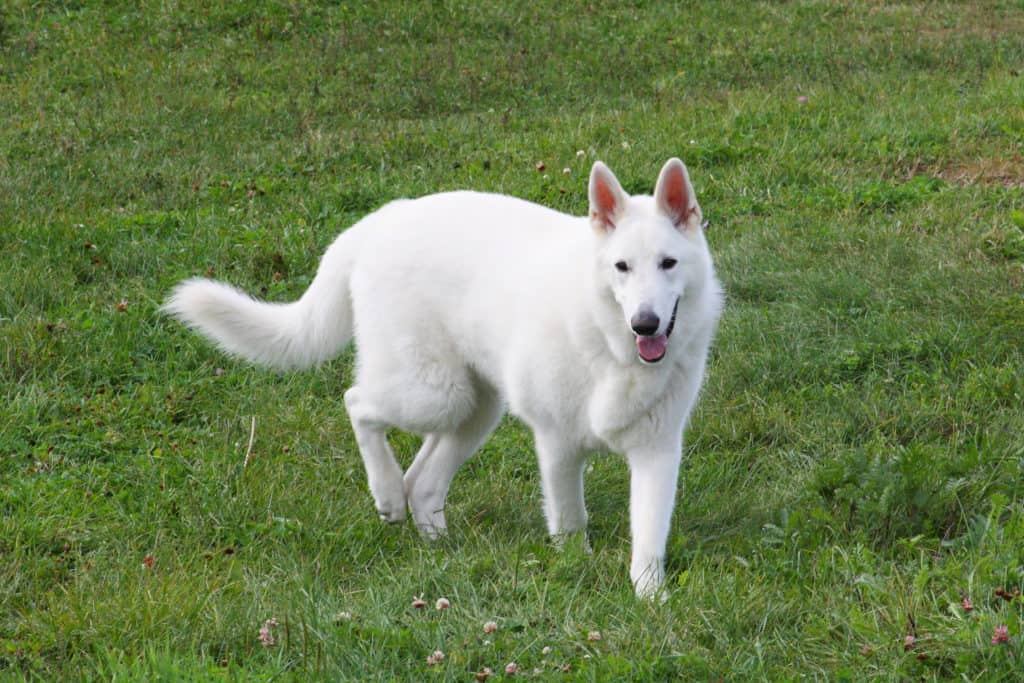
(607, 198)
(675, 196)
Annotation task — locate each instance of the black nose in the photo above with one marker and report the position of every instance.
(645, 323)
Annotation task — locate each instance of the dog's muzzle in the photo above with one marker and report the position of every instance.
(650, 347)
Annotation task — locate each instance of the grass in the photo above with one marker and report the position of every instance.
(853, 471)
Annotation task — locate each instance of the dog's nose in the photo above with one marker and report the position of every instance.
(645, 323)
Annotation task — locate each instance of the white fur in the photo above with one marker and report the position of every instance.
(465, 304)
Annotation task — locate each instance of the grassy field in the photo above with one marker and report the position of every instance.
(851, 502)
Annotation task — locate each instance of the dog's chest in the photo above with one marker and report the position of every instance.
(594, 405)
(624, 401)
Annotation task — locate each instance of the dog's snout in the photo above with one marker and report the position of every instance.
(645, 323)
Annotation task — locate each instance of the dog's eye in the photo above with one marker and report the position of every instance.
(668, 264)
(622, 267)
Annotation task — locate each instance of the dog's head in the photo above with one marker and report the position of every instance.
(652, 252)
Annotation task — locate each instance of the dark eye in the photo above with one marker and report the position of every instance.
(668, 264)
(622, 267)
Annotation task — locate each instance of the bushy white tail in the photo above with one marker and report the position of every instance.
(280, 335)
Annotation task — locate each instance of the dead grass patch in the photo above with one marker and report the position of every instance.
(984, 172)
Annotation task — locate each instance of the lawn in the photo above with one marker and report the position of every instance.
(851, 502)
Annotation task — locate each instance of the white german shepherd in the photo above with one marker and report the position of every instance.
(594, 331)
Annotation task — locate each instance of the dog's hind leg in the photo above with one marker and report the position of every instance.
(430, 443)
(383, 472)
(431, 473)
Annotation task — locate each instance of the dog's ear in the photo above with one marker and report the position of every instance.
(607, 198)
(675, 197)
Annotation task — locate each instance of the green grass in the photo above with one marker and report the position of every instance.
(852, 473)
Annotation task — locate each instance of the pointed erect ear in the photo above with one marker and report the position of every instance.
(607, 199)
(675, 198)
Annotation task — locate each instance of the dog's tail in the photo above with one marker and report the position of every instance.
(289, 335)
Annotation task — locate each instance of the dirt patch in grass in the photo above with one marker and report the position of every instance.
(986, 172)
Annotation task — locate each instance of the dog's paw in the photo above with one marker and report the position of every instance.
(651, 590)
(391, 509)
(391, 517)
(654, 595)
(432, 531)
(428, 512)
(576, 540)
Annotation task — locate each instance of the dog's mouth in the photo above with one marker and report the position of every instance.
(651, 349)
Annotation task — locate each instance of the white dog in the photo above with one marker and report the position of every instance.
(594, 331)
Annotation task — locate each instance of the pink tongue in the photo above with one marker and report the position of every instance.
(652, 348)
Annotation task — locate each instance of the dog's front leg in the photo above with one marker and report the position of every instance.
(653, 477)
(561, 474)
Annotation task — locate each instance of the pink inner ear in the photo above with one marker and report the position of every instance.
(675, 196)
(605, 200)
